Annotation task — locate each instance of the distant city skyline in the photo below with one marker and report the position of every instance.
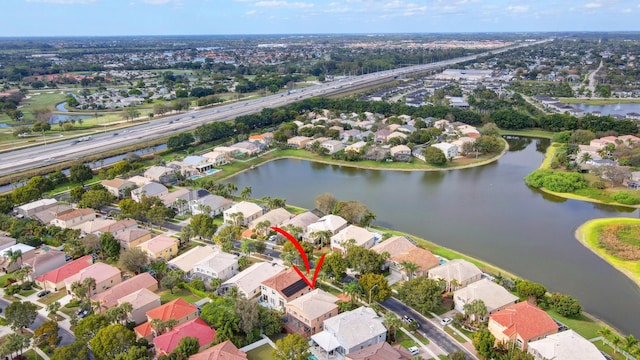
(222, 17)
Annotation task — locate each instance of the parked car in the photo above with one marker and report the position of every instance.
(445, 321)
(44, 293)
(413, 350)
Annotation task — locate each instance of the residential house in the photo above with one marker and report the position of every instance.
(119, 227)
(73, 217)
(629, 140)
(331, 223)
(376, 153)
(151, 189)
(217, 158)
(26, 251)
(250, 211)
(109, 298)
(394, 245)
(27, 210)
(219, 265)
(298, 142)
(397, 135)
(139, 180)
(178, 309)
(381, 135)
(105, 275)
(494, 296)
(222, 351)
(195, 165)
(566, 345)
(45, 260)
(302, 220)
(468, 131)
(160, 247)
(351, 135)
(521, 323)
(456, 273)
(248, 281)
(360, 237)
(318, 140)
(351, 331)
(213, 205)
(601, 143)
(587, 152)
(160, 174)
(423, 259)
(459, 143)
(47, 215)
(180, 199)
(266, 138)
(131, 238)
(93, 226)
(401, 152)
(332, 146)
(380, 351)
(141, 301)
(449, 150)
(118, 187)
(54, 279)
(278, 290)
(306, 314)
(6, 242)
(248, 148)
(356, 147)
(197, 328)
(274, 217)
(187, 260)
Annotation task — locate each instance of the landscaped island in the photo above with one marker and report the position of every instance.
(617, 241)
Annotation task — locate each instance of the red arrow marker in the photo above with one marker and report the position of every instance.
(312, 283)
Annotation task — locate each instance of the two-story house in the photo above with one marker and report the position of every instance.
(306, 314)
(161, 246)
(220, 265)
(281, 288)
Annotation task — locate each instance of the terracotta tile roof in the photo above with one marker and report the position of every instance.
(116, 183)
(140, 298)
(525, 320)
(109, 298)
(176, 309)
(143, 330)
(421, 257)
(283, 281)
(67, 270)
(222, 351)
(74, 213)
(197, 328)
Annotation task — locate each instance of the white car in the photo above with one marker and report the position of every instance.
(413, 350)
(445, 321)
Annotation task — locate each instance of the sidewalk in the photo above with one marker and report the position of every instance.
(433, 349)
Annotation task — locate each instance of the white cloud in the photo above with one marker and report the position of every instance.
(156, 2)
(284, 4)
(626, 11)
(63, 1)
(593, 5)
(251, 12)
(518, 8)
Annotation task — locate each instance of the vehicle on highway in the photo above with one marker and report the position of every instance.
(445, 321)
(44, 293)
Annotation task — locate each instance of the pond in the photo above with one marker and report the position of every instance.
(611, 109)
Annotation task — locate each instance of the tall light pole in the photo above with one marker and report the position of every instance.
(370, 290)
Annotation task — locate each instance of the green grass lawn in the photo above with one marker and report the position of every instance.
(583, 325)
(5, 277)
(166, 296)
(588, 235)
(528, 133)
(260, 353)
(451, 332)
(26, 293)
(31, 355)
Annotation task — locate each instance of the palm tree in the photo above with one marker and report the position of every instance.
(392, 322)
(585, 157)
(126, 308)
(352, 289)
(410, 268)
(246, 193)
(630, 342)
(262, 227)
(79, 290)
(321, 237)
(180, 204)
(14, 256)
(90, 284)
(237, 218)
(615, 341)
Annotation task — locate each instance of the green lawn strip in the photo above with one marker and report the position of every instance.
(583, 325)
(451, 332)
(54, 296)
(5, 277)
(407, 343)
(607, 349)
(468, 333)
(26, 293)
(31, 355)
(260, 353)
(588, 234)
(69, 311)
(186, 295)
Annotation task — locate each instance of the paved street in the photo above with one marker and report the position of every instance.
(67, 337)
(429, 329)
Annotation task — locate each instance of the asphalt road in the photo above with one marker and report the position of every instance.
(431, 331)
(67, 337)
(42, 155)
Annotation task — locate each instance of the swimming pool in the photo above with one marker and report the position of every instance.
(212, 171)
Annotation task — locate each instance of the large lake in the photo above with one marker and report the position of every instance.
(611, 109)
(487, 212)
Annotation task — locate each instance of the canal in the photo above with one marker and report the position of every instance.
(487, 212)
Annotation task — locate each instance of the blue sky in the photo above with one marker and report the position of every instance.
(186, 17)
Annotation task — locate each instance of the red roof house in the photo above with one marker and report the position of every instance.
(197, 328)
(222, 351)
(54, 279)
(521, 323)
(177, 309)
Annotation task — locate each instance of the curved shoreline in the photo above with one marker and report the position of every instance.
(586, 231)
(366, 167)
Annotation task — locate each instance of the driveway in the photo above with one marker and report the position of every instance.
(67, 337)
(430, 330)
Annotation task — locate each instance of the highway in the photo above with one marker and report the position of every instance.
(14, 161)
